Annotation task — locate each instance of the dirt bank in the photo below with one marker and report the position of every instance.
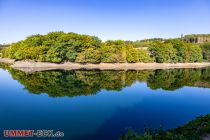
(8, 61)
(30, 66)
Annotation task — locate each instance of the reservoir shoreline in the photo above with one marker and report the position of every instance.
(32, 66)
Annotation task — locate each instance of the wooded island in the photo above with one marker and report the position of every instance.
(57, 47)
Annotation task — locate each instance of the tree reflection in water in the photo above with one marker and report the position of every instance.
(85, 82)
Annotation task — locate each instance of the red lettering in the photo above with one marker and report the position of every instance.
(6, 133)
(18, 133)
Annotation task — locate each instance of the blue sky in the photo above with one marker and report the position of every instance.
(107, 19)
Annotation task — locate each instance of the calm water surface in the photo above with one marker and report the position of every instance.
(102, 105)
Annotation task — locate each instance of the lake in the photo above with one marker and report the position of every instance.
(102, 105)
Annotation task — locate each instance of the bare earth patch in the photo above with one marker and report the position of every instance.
(8, 61)
(31, 66)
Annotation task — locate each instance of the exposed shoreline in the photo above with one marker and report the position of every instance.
(31, 66)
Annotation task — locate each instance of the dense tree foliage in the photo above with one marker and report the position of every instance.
(113, 51)
(59, 47)
(193, 130)
(163, 52)
(144, 43)
(144, 56)
(3, 46)
(53, 47)
(206, 51)
(173, 51)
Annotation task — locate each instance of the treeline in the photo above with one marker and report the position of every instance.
(60, 47)
(144, 43)
(197, 35)
(3, 45)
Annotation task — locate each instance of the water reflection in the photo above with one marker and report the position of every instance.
(83, 82)
(123, 99)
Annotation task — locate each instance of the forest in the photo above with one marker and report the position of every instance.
(58, 47)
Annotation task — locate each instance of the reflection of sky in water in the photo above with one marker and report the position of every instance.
(104, 115)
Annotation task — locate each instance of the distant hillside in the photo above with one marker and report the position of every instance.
(197, 38)
(4, 45)
(192, 38)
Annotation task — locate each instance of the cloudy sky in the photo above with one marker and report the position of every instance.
(107, 19)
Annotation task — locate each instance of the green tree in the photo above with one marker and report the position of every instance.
(113, 52)
(131, 54)
(206, 51)
(195, 53)
(143, 56)
(163, 52)
(90, 55)
(71, 55)
(186, 52)
(56, 54)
